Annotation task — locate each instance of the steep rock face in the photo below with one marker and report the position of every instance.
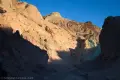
(9, 5)
(48, 36)
(32, 13)
(33, 28)
(29, 60)
(109, 38)
(88, 30)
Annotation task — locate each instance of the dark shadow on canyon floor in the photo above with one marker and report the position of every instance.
(110, 49)
(89, 60)
(105, 66)
(84, 59)
(15, 50)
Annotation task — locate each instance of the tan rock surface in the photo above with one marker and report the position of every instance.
(39, 32)
(46, 33)
(88, 30)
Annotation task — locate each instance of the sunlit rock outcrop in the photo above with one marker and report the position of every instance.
(52, 33)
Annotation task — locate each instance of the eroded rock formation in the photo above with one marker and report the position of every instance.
(87, 29)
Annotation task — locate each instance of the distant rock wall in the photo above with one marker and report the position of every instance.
(88, 30)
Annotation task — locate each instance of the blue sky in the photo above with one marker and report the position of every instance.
(80, 10)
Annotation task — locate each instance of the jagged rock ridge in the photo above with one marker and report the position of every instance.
(87, 29)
